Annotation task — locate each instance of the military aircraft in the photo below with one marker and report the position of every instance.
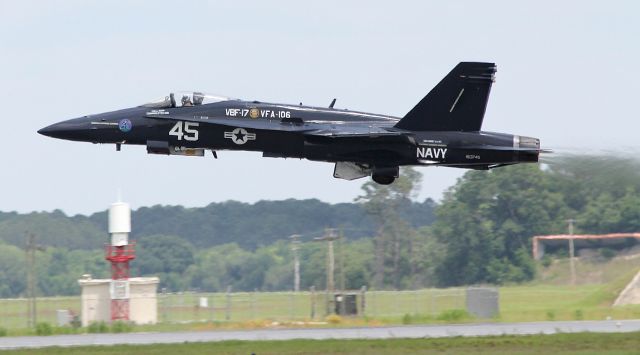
(443, 129)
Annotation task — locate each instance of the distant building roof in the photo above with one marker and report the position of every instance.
(132, 280)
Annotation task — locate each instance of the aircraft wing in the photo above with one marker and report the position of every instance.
(507, 148)
(271, 125)
(327, 130)
(346, 131)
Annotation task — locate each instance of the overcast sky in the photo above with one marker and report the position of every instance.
(568, 73)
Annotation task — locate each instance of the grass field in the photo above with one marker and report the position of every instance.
(517, 304)
(548, 298)
(551, 297)
(252, 306)
(580, 343)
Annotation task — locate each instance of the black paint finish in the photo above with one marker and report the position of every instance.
(443, 129)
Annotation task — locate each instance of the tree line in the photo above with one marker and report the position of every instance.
(204, 248)
(479, 233)
(248, 225)
(487, 219)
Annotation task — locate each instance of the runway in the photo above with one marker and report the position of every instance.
(413, 331)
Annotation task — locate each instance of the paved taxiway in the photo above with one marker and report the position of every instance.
(414, 331)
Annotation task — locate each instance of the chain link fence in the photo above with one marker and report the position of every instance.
(308, 305)
(188, 307)
(14, 312)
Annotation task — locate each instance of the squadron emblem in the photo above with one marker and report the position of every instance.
(125, 125)
(254, 113)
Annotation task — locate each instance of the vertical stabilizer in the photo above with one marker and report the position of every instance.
(457, 103)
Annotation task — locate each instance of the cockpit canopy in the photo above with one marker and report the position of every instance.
(185, 99)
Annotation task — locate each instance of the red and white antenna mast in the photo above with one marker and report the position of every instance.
(120, 252)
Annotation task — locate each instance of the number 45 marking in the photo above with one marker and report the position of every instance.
(185, 130)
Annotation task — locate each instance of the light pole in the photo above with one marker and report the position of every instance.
(32, 283)
(329, 237)
(572, 264)
(295, 245)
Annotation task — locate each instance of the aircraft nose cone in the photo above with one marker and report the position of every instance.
(49, 131)
(75, 129)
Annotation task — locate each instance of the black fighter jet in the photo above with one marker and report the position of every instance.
(443, 129)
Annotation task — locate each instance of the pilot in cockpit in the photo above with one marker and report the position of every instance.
(186, 101)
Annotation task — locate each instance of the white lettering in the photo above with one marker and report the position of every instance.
(233, 112)
(189, 132)
(431, 153)
(176, 130)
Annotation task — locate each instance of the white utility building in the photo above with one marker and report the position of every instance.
(96, 300)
